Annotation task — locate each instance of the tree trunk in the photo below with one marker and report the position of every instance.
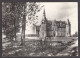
(23, 28)
(15, 29)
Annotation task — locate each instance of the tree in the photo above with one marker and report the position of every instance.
(11, 17)
(23, 25)
(15, 13)
(75, 35)
(30, 9)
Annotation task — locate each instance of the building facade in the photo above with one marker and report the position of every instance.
(53, 28)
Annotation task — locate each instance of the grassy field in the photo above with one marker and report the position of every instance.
(38, 48)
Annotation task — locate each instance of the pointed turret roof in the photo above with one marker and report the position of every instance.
(68, 21)
(44, 16)
(44, 13)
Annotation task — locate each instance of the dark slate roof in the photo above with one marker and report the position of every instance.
(61, 24)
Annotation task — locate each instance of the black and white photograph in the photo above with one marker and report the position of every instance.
(39, 29)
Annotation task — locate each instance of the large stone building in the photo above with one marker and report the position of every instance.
(53, 28)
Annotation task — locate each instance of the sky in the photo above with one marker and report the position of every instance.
(59, 11)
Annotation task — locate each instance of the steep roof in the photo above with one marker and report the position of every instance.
(60, 24)
(44, 19)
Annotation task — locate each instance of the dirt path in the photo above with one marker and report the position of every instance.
(69, 48)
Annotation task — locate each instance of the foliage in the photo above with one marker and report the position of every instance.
(75, 35)
(12, 15)
(32, 9)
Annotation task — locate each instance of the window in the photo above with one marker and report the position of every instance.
(43, 33)
(53, 27)
(60, 24)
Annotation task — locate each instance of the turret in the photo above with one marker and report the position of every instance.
(43, 26)
(68, 28)
(44, 20)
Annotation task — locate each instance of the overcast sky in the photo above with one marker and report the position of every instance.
(61, 11)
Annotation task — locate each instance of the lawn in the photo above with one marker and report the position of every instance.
(35, 48)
